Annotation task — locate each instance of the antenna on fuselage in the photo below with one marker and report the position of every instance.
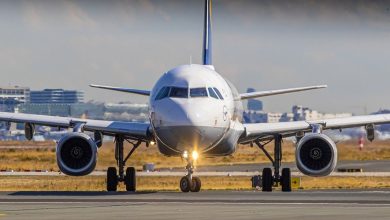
(207, 50)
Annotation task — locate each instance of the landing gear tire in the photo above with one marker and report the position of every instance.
(267, 180)
(130, 179)
(286, 180)
(185, 184)
(196, 184)
(112, 179)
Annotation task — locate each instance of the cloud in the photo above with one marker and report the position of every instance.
(32, 15)
(76, 16)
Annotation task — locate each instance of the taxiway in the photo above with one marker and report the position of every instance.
(351, 204)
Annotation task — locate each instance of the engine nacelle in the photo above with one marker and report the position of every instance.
(316, 155)
(76, 154)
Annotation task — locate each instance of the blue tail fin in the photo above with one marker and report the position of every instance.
(207, 51)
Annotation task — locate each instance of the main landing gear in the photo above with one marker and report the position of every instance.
(189, 183)
(129, 178)
(269, 180)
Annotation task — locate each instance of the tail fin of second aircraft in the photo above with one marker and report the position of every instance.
(207, 51)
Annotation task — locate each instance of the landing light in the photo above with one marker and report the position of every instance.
(195, 155)
(185, 154)
(152, 143)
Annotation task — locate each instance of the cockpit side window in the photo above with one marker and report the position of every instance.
(178, 92)
(218, 93)
(163, 93)
(198, 92)
(212, 93)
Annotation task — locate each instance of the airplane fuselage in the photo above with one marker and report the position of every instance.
(193, 108)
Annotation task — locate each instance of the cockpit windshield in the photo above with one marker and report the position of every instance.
(164, 92)
(178, 92)
(218, 93)
(198, 92)
(212, 93)
(182, 92)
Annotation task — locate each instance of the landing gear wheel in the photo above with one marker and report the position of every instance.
(196, 184)
(185, 184)
(112, 179)
(130, 179)
(286, 180)
(267, 180)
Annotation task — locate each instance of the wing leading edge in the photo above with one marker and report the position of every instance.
(263, 130)
(119, 89)
(251, 95)
(111, 128)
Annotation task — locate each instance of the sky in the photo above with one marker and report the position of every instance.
(260, 44)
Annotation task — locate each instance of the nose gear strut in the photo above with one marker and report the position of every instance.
(189, 182)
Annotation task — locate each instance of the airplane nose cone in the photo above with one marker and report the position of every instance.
(186, 126)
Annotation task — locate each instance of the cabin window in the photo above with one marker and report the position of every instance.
(198, 92)
(177, 92)
(212, 93)
(218, 93)
(163, 93)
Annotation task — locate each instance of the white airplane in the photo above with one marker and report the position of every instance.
(195, 112)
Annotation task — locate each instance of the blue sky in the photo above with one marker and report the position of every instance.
(259, 44)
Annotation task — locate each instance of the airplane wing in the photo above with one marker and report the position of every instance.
(251, 95)
(119, 89)
(266, 130)
(110, 128)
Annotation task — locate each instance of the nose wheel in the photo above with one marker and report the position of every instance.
(189, 183)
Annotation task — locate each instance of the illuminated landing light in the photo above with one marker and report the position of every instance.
(185, 155)
(195, 155)
(152, 143)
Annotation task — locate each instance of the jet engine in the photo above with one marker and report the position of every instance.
(316, 155)
(76, 154)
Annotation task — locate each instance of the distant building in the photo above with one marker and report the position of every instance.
(126, 111)
(90, 110)
(63, 110)
(301, 113)
(12, 96)
(253, 104)
(56, 96)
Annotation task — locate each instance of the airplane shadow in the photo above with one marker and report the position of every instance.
(76, 193)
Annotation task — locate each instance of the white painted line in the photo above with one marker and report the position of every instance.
(179, 174)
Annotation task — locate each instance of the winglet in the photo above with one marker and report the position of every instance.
(119, 89)
(278, 92)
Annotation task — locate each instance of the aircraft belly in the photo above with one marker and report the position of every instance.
(180, 138)
(209, 141)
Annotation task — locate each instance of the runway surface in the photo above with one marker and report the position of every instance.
(367, 166)
(380, 168)
(353, 204)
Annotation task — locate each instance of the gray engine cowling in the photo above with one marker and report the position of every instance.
(76, 154)
(316, 155)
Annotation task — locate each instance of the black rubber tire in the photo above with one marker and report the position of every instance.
(185, 184)
(112, 179)
(196, 184)
(286, 180)
(267, 180)
(130, 179)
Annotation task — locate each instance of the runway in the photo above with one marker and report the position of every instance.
(352, 204)
(366, 166)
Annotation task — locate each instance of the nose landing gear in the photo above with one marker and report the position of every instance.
(189, 183)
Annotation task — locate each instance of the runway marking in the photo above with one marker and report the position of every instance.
(209, 203)
(199, 173)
